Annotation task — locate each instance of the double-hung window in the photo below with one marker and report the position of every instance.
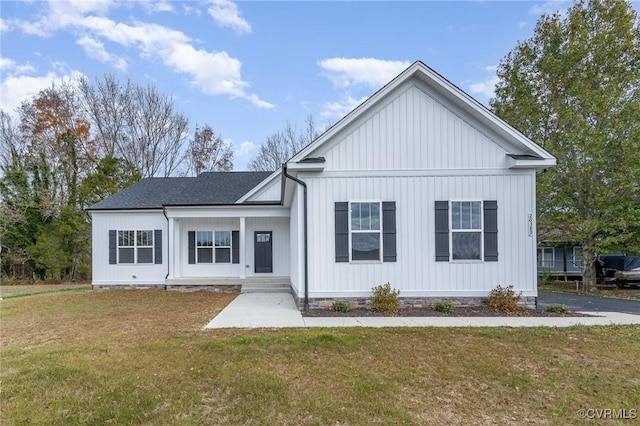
(466, 232)
(546, 257)
(576, 257)
(366, 234)
(204, 246)
(223, 246)
(135, 246)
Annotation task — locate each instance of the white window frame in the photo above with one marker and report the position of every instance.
(204, 247)
(541, 261)
(577, 264)
(479, 230)
(135, 246)
(216, 247)
(365, 231)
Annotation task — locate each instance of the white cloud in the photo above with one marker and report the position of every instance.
(158, 6)
(245, 149)
(522, 24)
(15, 89)
(485, 88)
(4, 25)
(95, 50)
(345, 72)
(214, 73)
(548, 7)
(337, 110)
(6, 64)
(226, 14)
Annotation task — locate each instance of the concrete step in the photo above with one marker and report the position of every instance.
(266, 288)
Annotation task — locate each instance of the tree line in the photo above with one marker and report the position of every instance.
(573, 88)
(75, 143)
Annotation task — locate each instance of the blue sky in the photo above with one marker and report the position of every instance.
(246, 68)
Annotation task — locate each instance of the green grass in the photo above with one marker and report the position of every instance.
(13, 291)
(142, 357)
(570, 287)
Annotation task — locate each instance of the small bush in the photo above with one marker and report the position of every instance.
(557, 308)
(443, 306)
(340, 306)
(385, 299)
(504, 300)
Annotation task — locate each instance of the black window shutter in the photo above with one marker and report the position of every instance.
(157, 246)
(342, 232)
(113, 249)
(192, 247)
(490, 231)
(235, 246)
(442, 231)
(389, 231)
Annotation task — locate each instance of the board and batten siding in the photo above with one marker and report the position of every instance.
(104, 273)
(416, 273)
(413, 131)
(271, 192)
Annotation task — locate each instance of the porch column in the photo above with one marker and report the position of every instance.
(170, 248)
(243, 257)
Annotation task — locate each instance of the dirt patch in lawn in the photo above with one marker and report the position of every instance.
(472, 311)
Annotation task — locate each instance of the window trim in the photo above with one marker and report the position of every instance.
(366, 231)
(135, 246)
(216, 247)
(573, 257)
(203, 247)
(480, 230)
(541, 262)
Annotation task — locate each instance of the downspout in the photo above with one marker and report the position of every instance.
(164, 212)
(306, 253)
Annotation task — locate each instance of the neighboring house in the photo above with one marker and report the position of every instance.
(563, 260)
(420, 186)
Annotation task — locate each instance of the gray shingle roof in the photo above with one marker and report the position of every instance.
(206, 188)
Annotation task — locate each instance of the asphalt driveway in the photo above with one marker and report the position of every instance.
(578, 302)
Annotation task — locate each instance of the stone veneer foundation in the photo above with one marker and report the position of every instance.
(405, 302)
(220, 287)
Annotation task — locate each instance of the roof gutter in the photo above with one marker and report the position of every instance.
(306, 252)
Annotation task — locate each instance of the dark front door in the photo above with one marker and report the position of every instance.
(263, 251)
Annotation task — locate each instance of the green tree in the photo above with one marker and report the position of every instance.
(110, 176)
(574, 88)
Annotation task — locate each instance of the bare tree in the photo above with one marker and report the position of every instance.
(282, 145)
(208, 152)
(136, 123)
(104, 102)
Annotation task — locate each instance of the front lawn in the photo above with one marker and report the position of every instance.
(142, 357)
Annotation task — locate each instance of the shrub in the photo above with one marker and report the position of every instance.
(558, 308)
(504, 300)
(340, 306)
(443, 306)
(385, 299)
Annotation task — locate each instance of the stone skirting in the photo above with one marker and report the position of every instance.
(218, 287)
(405, 302)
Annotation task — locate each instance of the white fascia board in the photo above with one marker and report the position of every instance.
(178, 212)
(258, 187)
(306, 166)
(542, 163)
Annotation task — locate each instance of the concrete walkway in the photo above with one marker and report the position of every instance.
(277, 310)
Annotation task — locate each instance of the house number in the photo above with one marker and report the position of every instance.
(530, 223)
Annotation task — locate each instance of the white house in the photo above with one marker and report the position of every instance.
(420, 186)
